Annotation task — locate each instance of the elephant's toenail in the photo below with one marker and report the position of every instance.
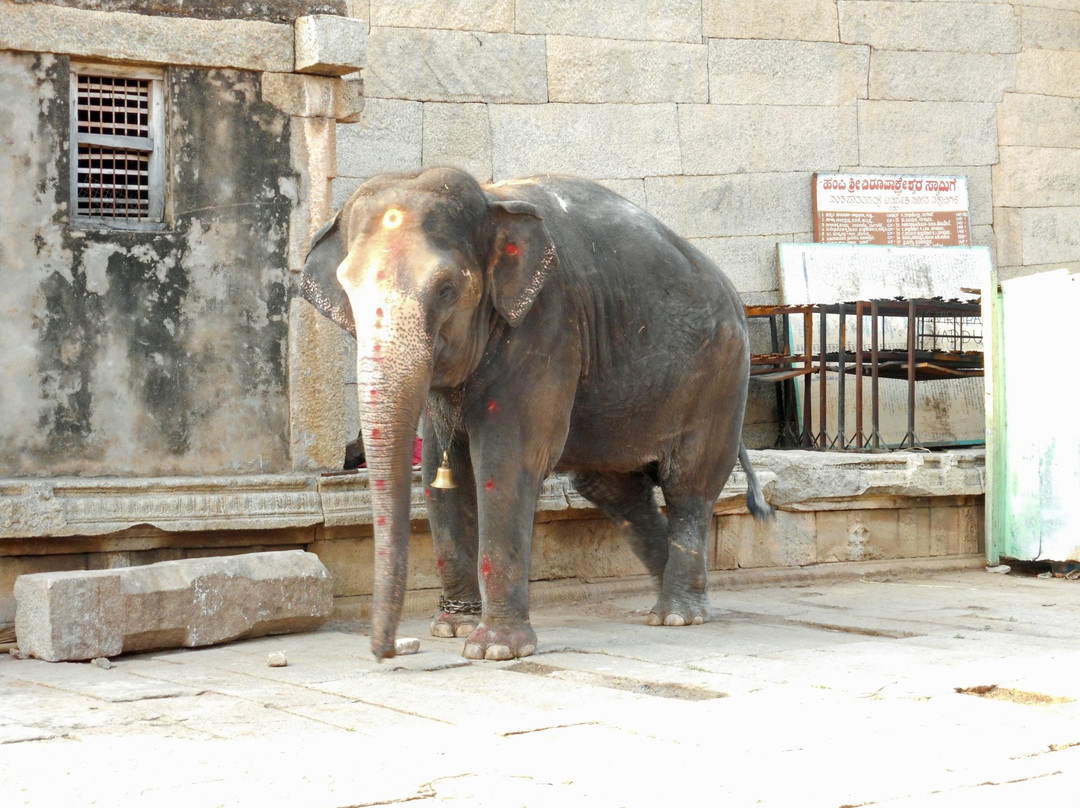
(697, 621)
(497, 653)
(473, 651)
(674, 620)
(654, 619)
(526, 650)
(443, 630)
(464, 630)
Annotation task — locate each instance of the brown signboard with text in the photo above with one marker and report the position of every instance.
(913, 211)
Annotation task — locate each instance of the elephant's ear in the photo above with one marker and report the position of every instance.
(319, 284)
(522, 256)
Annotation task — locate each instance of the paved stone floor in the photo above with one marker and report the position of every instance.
(814, 693)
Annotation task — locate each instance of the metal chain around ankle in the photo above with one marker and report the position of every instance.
(459, 606)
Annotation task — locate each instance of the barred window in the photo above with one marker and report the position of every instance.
(117, 146)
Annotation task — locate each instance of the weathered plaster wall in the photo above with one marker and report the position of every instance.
(713, 114)
(146, 353)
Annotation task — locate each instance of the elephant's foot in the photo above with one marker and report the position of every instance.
(689, 612)
(501, 642)
(455, 618)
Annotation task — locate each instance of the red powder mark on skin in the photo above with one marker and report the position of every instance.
(493, 406)
(427, 493)
(513, 249)
(485, 566)
(489, 486)
(382, 520)
(374, 394)
(378, 312)
(440, 563)
(380, 484)
(376, 433)
(376, 348)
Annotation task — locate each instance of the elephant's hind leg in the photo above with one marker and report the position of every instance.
(628, 500)
(683, 597)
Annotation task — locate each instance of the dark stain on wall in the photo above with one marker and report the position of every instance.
(280, 11)
(67, 347)
(145, 305)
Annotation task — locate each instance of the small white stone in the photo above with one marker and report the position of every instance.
(101, 662)
(277, 660)
(406, 645)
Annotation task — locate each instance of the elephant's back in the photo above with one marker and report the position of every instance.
(662, 330)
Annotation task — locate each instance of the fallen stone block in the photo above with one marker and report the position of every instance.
(68, 616)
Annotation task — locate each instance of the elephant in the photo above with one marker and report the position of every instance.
(543, 324)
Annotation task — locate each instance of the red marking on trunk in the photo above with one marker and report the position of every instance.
(382, 520)
(489, 486)
(485, 566)
(376, 433)
(378, 312)
(493, 406)
(440, 563)
(427, 493)
(512, 249)
(380, 484)
(374, 394)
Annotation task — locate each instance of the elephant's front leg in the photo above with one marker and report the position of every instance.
(506, 505)
(452, 516)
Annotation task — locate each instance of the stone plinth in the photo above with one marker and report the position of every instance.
(101, 613)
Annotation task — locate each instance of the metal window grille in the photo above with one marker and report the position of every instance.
(117, 175)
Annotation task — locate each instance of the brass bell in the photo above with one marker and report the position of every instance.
(444, 477)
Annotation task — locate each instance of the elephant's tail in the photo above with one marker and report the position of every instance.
(755, 498)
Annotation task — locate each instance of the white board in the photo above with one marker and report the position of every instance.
(838, 273)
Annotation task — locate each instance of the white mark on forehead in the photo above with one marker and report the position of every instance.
(392, 219)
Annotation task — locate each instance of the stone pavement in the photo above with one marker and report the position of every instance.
(817, 691)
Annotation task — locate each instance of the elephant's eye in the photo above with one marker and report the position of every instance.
(446, 294)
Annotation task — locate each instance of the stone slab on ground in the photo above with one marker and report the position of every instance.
(81, 615)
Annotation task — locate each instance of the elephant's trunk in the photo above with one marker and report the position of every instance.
(393, 375)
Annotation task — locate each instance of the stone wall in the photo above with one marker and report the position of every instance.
(713, 114)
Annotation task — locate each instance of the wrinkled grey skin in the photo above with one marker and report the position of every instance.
(546, 324)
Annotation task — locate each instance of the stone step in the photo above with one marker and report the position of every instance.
(78, 615)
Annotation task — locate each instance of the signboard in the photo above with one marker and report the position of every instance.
(917, 211)
(947, 411)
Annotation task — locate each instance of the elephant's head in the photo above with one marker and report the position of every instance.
(419, 269)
